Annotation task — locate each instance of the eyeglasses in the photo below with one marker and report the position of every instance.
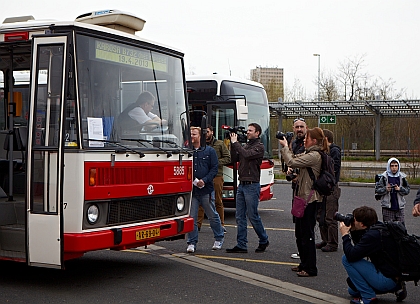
(301, 119)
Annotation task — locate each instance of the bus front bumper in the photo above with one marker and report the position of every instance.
(76, 244)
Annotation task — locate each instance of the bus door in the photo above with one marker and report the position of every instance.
(227, 113)
(45, 165)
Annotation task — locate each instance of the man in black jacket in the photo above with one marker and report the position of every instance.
(328, 226)
(367, 278)
(248, 194)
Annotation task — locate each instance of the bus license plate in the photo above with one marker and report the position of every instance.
(147, 234)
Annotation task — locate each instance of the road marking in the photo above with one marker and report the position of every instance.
(250, 227)
(246, 260)
(291, 290)
(272, 209)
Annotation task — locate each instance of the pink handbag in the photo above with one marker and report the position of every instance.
(299, 205)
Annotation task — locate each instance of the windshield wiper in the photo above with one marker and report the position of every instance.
(166, 142)
(117, 144)
(150, 142)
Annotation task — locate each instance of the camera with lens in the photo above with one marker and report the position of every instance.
(239, 130)
(347, 219)
(293, 175)
(288, 136)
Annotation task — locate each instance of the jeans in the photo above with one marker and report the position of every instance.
(216, 197)
(367, 279)
(247, 199)
(210, 210)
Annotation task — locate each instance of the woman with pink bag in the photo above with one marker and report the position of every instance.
(304, 226)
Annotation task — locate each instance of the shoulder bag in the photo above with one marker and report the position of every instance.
(299, 205)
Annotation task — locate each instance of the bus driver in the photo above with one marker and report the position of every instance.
(138, 113)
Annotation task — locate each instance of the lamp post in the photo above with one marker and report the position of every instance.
(319, 74)
(319, 77)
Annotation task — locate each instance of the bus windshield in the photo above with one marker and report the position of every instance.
(112, 76)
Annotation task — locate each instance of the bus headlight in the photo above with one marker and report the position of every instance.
(180, 203)
(92, 214)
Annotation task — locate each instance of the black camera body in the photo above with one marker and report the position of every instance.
(288, 136)
(239, 130)
(293, 175)
(347, 219)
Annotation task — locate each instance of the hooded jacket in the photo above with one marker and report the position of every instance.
(380, 187)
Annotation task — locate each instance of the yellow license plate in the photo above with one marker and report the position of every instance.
(147, 234)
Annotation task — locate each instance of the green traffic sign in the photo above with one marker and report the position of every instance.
(327, 119)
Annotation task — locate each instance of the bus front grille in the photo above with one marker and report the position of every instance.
(141, 209)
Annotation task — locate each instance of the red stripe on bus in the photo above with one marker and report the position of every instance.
(130, 179)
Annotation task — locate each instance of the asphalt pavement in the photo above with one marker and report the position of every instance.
(273, 267)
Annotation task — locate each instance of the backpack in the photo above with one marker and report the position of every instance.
(408, 246)
(325, 183)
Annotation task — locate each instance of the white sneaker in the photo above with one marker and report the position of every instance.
(190, 248)
(295, 256)
(217, 245)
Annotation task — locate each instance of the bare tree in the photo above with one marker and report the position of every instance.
(329, 89)
(350, 74)
(297, 92)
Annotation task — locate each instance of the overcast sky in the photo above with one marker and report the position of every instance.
(227, 36)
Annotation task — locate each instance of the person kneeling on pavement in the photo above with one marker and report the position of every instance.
(377, 276)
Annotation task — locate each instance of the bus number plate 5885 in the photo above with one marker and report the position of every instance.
(147, 234)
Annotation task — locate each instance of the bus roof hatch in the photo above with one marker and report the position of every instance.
(114, 19)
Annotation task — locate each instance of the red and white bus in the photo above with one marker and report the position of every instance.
(74, 180)
(233, 102)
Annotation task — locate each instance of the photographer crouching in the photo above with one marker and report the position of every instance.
(377, 276)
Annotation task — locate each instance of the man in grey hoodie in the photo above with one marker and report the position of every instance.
(392, 186)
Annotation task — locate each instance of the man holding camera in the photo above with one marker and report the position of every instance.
(248, 194)
(298, 147)
(376, 276)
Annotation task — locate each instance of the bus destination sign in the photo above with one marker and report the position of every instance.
(130, 56)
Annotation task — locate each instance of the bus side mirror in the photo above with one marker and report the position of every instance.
(241, 109)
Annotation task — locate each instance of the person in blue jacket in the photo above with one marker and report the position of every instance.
(205, 166)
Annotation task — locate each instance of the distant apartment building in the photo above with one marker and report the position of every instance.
(271, 79)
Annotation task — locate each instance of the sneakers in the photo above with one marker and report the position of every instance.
(262, 247)
(217, 245)
(295, 256)
(190, 248)
(224, 229)
(402, 293)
